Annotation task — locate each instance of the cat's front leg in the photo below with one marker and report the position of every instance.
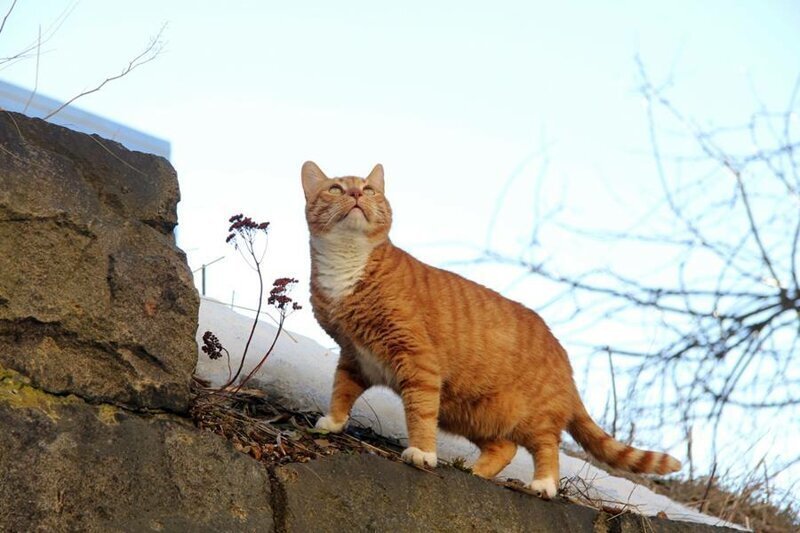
(420, 389)
(348, 385)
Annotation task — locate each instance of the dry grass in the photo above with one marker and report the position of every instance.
(749, 503)
(276, 435)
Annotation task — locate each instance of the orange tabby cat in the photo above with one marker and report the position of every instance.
(461, 356)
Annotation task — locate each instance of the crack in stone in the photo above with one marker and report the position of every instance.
(33, 327)
(126, 394)
(162, 226)
(90, 400)
(19, 380)
(139, 351)
(278, 501)
(110, 276)
(59, 220)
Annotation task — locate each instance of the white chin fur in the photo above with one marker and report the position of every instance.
(355, 220)
(340, 258)
(544, 488)
(415, 456)
(327, 423)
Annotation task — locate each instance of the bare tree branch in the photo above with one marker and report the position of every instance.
(36, 80)
(27, 51)
(8, 14)
(717, 329)
(152, 51)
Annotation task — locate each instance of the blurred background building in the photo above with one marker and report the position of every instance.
(21, 100)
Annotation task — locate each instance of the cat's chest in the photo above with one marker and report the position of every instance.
(339, 264)
(374, 369)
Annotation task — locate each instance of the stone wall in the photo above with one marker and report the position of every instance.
(98, 315)
(368, 493)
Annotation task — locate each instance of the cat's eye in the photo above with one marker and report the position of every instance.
(336, 190)
(369, 191)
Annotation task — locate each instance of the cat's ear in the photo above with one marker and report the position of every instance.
(312, 176)
(375, 177)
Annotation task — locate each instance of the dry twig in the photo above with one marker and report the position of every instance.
(151, 52)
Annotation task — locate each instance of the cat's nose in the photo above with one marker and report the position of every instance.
(355, 192)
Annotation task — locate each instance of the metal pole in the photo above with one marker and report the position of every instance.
(202, 270)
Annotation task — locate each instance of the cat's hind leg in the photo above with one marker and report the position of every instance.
(348, 385)
(495, 456)
(544, 449)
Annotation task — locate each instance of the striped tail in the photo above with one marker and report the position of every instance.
(605, 448)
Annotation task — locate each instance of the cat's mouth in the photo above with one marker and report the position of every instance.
(359, 209)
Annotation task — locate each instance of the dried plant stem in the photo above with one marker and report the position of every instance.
(265, 356)
(255, 322)
(243, 233)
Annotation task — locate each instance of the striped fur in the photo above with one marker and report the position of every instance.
(605, 448)
(461, 356)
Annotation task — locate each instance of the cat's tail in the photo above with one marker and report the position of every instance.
(605, 448)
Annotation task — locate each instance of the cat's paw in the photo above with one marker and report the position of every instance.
(327, 423)
(544, 488)
(415, 456)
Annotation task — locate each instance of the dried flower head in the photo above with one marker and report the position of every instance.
(278, 296)
(246, 227)
(211, 346)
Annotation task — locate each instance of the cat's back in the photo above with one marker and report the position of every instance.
(432, 288)
(399, 296)
(452, 309)
(482, 341)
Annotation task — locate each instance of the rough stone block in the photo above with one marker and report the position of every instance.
(95, 298)
(367, 493)
(70, 466)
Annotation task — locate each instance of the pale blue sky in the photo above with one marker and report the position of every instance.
(453, 98)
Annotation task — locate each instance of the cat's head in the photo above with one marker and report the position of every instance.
(347, 204)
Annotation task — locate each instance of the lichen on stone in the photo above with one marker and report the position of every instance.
(107, 414)
(16, 390)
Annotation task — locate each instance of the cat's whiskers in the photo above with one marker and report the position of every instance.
(331, 220)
